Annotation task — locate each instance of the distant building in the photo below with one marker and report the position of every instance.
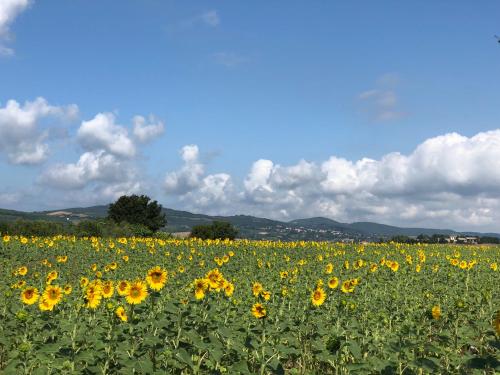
(469, 240)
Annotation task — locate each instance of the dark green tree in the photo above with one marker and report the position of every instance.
(135, 209)
(217, 230)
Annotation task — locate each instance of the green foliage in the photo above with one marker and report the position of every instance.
(217, 230)
(135, 209)
(383, 327)
(85, 228)
(34, 228)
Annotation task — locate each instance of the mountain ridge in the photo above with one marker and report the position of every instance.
(252, 227)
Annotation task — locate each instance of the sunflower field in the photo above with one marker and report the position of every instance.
(151, 306)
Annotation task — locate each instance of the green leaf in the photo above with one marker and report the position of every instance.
(240, 367)
(184, 357)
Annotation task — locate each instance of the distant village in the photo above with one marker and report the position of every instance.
(291, 233)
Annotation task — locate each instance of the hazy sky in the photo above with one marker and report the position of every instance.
(386, 111)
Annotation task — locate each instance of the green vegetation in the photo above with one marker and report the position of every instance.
(217, 230)
(137, 210)
(150, 306)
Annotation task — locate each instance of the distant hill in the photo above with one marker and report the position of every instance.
(316, 228)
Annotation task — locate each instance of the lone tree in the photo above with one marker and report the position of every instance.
(135, 209)
(216, 230)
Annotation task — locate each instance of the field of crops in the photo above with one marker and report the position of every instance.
(150, 306)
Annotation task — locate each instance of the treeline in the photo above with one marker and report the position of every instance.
(85, 228)
(439, 238)
(217, 230)
(130, 215)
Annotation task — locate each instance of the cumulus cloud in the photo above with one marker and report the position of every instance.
(189, 176)
(450, 180)
(145, 131)
(91, 166)
(196, 189)
(109, 164)
(103, 133)
(24, 129)
(382, 102)
(9, 10)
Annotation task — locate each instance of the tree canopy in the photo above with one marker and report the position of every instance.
(217, 230)
(135, 209)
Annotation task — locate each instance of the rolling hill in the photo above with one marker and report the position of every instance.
(316, 228)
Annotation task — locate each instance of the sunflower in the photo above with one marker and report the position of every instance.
(122, 287)
(256, 289)
(259, 311)
(156, 278)
(200, 287)
(113, 266)
(20, 284)
(418, 268)
(394, 266)
(329, 268)
(283, 274)
(53, 294)
(22, 270)
(67, 289)
(84, 282)
(318, 297)
(51, 276)
(45, 305)
(214, 278)
(436, 312)
(266, 295)
(29, 295)
(228, 289)
(373, 267)
(358, 264)
(93, 296)
(120, 313)
(136, 292)
(108, 289)
(333, 282)
(494, 266)
(347, 286)
(463, 265)
(125, 258)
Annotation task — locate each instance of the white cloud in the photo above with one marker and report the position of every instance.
(447, 181)
(145, 131)
(102, 133)
(91, 166)
(9, 10)
(23, 129)
(189, 176)
(382, 103)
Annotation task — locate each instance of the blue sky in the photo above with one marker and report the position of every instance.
(232, 83)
